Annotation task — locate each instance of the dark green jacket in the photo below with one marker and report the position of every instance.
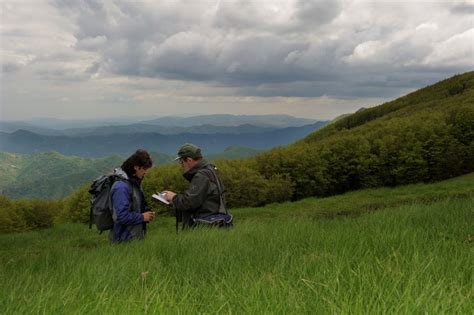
(202, 196)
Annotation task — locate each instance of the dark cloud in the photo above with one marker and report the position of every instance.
(10, 67)
(93, 69)
(465, 8)
(264, 48)
(336, 88)
(274, 17)
(237, 15)
(61, 75)
(315, 13)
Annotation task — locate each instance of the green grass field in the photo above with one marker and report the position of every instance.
(403, 250)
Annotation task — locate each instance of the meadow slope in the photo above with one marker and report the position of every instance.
(337, 254)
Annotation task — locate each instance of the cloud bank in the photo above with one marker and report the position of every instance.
(147, 51)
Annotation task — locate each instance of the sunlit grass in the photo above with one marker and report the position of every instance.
(413, 257)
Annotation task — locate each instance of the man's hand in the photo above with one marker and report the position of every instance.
(168, 195)
(148, 216)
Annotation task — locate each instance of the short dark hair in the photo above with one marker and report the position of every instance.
(192, 158)
(140, 158)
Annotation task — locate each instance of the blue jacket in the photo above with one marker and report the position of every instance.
(128, 203)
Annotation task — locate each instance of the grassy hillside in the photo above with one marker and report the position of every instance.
(445, 96)
(412, 256)
(356, 203)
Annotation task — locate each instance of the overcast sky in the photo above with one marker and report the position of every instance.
(314, 59)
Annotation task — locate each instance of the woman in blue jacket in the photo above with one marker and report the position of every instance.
(130, 211)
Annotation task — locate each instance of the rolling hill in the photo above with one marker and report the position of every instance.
(49, 174)
(233, 152)
(52, 175)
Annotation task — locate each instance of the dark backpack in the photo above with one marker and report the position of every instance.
(101, 202)
(211, 173)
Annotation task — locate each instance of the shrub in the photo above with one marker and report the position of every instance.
(10, 219)
(78, 206)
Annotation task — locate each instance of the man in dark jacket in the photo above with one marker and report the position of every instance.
(203, 202)
(130, 211)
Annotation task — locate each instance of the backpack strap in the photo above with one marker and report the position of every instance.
(178, 218)
(91, 218)
(210, 169)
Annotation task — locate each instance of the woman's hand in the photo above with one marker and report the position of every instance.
(148, 216)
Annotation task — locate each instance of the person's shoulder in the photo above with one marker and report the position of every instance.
(120, 185)
(202, 174)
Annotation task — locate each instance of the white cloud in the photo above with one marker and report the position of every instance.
(367, 51)
(427, 27)
(457, 50)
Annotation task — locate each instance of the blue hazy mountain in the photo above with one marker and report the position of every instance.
(62, 124)
(205, 124)
(279, 121)
(22, 141)
(134, 128)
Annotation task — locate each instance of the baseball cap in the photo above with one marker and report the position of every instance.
(189, 150)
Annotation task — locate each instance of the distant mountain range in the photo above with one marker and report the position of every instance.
(22, 141)
(134, 128)
(205, 124)
(62, 124)
(278, 121)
